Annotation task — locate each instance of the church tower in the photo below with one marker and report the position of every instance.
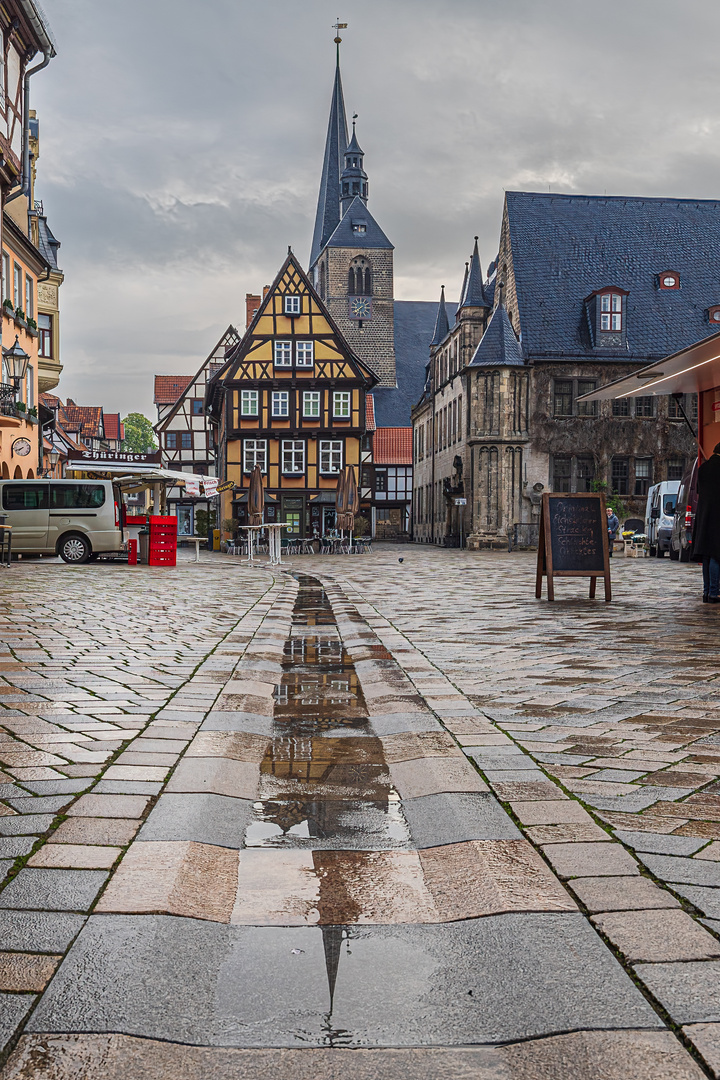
(351, 261)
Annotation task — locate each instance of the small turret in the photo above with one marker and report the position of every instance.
(354, 181)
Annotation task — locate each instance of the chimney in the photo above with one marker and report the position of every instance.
(252, 303)
(266, 290)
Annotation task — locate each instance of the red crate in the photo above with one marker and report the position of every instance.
(162, 558)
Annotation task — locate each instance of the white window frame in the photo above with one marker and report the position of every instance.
(17, 285)
(7, 283)
(29, 297)
(342, 404)
(293, 304)
(254, 453)
(282, 353)
(293, 457)
(611, 311)
(331, 453)
(304, 354)
(281, 403)
(311, 397)
(249, 403)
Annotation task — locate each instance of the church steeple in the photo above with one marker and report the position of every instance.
(327, 217)
(354, 181)
(442, 325)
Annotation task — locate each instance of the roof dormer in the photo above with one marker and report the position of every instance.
(606, 313)
(668, 279)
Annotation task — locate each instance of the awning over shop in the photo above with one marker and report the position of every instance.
(689, 371)
(325, 498)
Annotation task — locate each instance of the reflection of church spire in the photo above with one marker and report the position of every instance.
(332, 943)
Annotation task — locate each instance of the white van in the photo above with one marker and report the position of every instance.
(659, 515)
(75, 519)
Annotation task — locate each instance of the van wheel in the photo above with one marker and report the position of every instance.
(74, 549)
(653, 551)
(674, 555)
(684, 554)
(660, 553)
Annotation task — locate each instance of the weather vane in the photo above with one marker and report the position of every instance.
(337, 27)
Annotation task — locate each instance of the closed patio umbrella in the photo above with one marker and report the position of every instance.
(256, 498)
(340, 501)
(351, 498)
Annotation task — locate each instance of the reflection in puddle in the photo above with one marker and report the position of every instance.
(325, 792)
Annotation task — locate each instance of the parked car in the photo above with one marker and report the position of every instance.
(75, 519)
(682, 527)
(659, 515)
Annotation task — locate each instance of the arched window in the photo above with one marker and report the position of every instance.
(360, 277)
(322, 281)
(351, 282)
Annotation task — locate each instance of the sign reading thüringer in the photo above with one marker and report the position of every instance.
(573, 541)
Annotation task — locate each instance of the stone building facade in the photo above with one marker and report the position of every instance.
(584, 290)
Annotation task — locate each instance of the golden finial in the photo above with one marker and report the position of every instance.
(337, 27)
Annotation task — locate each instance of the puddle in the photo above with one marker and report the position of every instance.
(324, 780)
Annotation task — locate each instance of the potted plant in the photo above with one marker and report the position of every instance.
(9, 306)
(32, 326)
(20, 316)
(32, 414)
(20, 406)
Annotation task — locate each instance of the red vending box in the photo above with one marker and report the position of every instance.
(162, 549)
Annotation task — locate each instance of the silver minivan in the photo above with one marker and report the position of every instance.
(75, 519)
(659, 513)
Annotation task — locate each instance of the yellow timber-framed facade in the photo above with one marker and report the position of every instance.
(291, 399)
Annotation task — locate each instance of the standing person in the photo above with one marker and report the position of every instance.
(613, 524)
(706, 528)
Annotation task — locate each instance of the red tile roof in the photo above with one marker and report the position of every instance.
(86, 420)
(369, 412)
(168, 388)
(113, 425)
(392, 446)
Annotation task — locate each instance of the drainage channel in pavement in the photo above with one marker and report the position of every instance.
(327, 888)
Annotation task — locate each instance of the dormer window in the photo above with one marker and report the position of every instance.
(359, 226)
(714, 315)
(669, 279)
(292, 305)
(611, 311)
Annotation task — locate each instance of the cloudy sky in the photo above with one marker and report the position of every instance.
(181, 146)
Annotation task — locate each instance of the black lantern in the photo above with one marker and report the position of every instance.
(16, 362)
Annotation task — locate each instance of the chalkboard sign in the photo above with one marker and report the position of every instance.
(573, 541)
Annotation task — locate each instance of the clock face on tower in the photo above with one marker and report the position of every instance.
(360, 307)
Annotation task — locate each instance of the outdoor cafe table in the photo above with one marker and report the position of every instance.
(198, 541)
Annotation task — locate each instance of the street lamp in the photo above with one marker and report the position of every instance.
(16, 362)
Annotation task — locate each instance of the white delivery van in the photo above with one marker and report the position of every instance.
(75, 519)
(659, 514)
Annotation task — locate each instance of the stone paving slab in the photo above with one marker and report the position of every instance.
(53, 890)
(38, 931)
(397, 987)
(13, 1009)
(706, 900)
(621, 894)
(207, 819)
(657, 936)
(450, 818)
(689, 991)
(584, 1055)
(685, 871)
(659, 844)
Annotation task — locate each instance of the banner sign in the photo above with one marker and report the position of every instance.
(228, 485)
(210, 484)
(118, 457)
(192, 487)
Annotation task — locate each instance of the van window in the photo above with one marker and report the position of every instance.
(76, 496)
(25, 497)
(669, 505)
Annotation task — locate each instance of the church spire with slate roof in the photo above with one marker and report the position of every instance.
(354, 180)
(442, 326)
(327, 217)
(462, 290)
(474, 294)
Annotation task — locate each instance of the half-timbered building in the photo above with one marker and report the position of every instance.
(291, 399)
(182, 428)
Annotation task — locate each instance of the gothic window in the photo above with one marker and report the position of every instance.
(359, 278)
(322, 281)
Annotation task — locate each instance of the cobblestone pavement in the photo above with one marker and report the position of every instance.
(373, 820)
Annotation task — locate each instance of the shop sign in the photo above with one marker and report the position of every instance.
(117, 457)
(228, 485)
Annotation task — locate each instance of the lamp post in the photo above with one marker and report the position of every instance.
(16, 363)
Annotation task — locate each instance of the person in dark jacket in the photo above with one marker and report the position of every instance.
(706, 527)
(613, 524)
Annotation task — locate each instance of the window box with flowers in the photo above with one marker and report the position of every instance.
(32, 327)
(9, 307)
(32, 414)
(20, 317)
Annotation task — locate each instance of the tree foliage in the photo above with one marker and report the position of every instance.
(139, 434)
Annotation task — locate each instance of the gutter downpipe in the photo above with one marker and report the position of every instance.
(24, 185)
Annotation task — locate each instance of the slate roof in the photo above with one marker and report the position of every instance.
(567, 246)
(498, 345)
(393, 446)
(328, 208)
(344, 236)
(168, 388)
(442, 325)
(47, 243)
(473, 293)
(414, 326)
